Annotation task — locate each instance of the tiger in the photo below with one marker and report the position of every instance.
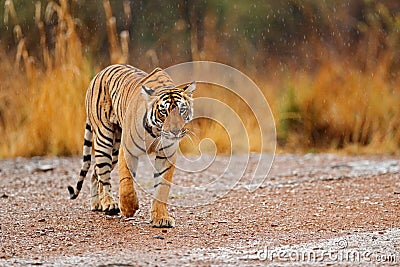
(131, 113)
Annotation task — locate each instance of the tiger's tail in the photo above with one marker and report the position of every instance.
(87, 156)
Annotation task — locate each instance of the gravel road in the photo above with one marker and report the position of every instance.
(313, 209)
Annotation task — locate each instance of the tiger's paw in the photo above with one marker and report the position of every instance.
(95, 205)
(163, 222)
(128, 207)
(109, 206)
(111, 209)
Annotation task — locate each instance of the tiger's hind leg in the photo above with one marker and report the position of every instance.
(95, 204)
(103, 168)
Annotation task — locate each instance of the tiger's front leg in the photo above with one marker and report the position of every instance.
(165, 167)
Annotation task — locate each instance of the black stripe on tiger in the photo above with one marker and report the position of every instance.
(83, 173)
(138, 134)
(163, 148)
(87, 151)
(103, 154)
(165, 157)
(102, 173)
(147, 127)
(104, 183)
(158, 174)
(79, 185)
(136, 144)
(162, 183)
(102, 165)
(121, 78)
(87, 143)
(87, 157)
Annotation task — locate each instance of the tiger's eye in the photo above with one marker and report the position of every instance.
(183, 110)
(162, 110)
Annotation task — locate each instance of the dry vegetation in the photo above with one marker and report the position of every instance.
(347, 101)
(41, 107)
(351, 102)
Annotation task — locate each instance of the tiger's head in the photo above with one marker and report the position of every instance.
(169, 110)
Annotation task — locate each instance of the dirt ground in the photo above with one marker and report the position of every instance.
(312, 209)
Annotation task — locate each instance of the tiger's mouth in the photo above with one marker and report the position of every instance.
(174, 134)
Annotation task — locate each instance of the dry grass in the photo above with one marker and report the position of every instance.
(351, 102)
(341, 108)
(42, 100)
(45, 114)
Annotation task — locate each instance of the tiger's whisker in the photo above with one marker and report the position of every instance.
(193, 133)
(190, 138)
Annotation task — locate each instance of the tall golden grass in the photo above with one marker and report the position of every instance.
(351, 102)
(41, 105)
(341, 107)
(347, 102)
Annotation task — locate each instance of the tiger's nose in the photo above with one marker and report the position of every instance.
(176, 131)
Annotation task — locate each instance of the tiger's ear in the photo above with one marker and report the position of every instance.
(147, 93)
(188, 89)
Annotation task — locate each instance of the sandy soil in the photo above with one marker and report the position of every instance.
(326, 207)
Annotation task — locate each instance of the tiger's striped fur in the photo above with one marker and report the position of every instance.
(146, 113)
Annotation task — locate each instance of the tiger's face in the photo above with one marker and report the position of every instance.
(169, 110)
